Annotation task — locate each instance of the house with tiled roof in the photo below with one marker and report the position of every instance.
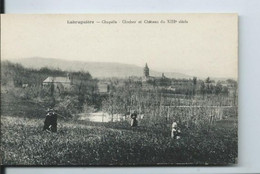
(60, 83)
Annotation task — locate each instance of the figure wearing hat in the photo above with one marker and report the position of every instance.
(50, 123)
(134, 122)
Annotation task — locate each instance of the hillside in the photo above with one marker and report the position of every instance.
(96, 69)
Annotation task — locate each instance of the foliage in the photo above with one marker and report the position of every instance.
(67, 107)
(160, 107)
(18, 75)
(70, 102)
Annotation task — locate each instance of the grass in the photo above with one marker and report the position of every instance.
(15, 106)
(79, 143)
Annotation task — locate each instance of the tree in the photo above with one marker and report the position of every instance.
(194, 80)
(209, 86)
(84, 87)
(218, 88)
(202, 88)
(207, 80)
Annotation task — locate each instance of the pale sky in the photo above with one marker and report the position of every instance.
(205, 46)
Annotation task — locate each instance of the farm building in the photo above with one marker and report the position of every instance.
(60, 83)
(103, 87)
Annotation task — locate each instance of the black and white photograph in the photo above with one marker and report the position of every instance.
(119, 89)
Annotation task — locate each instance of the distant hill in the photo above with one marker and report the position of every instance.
(96, 69)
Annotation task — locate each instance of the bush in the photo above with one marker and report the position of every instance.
(67, 107)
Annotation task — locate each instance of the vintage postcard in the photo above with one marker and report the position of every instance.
(119, 89)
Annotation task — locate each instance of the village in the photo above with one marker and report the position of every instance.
(107, 87)
(66, 83)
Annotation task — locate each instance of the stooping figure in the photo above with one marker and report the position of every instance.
(50, 123)
(134, 122)
(175, 132)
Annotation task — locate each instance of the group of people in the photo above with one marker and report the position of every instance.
(50, 123)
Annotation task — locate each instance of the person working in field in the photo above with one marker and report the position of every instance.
(134, 122)
(50, 123)
(175, 132)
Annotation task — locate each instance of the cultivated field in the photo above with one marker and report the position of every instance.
(24, 143)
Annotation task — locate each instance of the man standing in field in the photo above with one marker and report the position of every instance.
(50, 123)
(134, 121)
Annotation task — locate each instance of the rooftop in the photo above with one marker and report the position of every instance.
(57, 80)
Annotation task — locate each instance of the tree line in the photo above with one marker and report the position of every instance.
(68, 102)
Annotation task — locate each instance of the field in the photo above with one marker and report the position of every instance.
(88, 143)
(25, 143)
(113, 143)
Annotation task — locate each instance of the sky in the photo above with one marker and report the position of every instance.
(204, 46)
